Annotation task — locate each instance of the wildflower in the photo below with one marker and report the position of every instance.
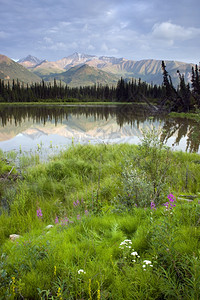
(56, 220)
(78, 217)
(59, 293)
(126, 244)
(171, 198)
(144, 267)
(76, 203)
(65, 221)
(13, 285)
(86, 212)
(81, 271)
(170, 204)
(134, 253)
(153, 206)
(147, 263)
(98, 292)
(39, 213)
(89, 290)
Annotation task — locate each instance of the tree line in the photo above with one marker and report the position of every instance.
(182, 98)
(125, 91)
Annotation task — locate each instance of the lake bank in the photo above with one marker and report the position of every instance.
(89, 194)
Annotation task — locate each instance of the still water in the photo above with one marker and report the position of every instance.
(30, 128)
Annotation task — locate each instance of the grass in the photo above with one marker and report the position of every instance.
(92, 197)
(69, 102)
(192, 115)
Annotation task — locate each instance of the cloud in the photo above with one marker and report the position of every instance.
(48, 40)
(91, 47)
(174, 32)
(134, 29)
(3, 34)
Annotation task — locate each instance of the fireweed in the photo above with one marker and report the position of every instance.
(171, 203)
(39, 213)
(153, 206)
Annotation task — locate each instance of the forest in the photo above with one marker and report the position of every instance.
(183, 98)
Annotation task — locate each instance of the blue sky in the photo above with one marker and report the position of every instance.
(149, 29)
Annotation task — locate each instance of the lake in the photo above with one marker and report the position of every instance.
(35, 127)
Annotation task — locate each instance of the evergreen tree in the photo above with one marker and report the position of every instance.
(196, 85)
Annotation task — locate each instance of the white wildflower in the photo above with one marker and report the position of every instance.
(128, 241)
(134, 253)
(147, 262)
(81, 271)
(125, 243)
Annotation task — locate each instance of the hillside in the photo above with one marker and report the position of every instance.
(10, 70)
(84, 75)
(148, 70)
(30, 61)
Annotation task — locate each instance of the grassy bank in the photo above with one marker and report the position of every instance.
(120, 230)
(191, 116)
(72, 102)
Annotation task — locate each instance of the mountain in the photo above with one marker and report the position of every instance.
(148, 70)
(10, 70)
(30, 61)
(50, 67)
(83, 75)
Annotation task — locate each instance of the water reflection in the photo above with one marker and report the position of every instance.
(188, 129)
(26, 126)
(43, 114)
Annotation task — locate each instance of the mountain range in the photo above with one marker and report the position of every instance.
(10, 70)
(83, 69)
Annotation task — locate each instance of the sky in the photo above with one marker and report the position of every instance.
(133, 29)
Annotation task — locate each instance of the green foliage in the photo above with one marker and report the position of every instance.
(146, 173)
(91, 250)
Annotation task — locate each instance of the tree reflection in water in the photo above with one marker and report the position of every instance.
(132, 115)
(179, 127)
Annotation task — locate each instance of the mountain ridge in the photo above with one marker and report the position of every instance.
(10, 70)
(148, 70)
(84, 75)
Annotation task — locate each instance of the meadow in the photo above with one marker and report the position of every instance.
(125, 223)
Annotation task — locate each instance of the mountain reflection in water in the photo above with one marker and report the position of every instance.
(27, 126)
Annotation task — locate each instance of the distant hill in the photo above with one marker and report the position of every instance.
(148, 70)
(84, 75)
(10, 70)
(30, 61)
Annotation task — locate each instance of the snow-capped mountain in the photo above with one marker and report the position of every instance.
(148, 70)
(30, 61)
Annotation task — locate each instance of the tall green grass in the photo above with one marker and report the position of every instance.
(96, 197)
